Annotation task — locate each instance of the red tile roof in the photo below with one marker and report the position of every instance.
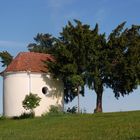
(29, 61)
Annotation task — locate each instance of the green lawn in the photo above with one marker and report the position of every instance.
(106, 126)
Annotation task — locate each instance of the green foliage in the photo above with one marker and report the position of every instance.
(44, 43)
(124, 56)
(70, 54)
(6, 58)
(31, 101)
(25, 115)
(95, 64)
(83, 56)
(2, 117)
(54, 111)
(72, 110)
(77, 80)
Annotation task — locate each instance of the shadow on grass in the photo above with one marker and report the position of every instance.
(24, 116)
(135, 138)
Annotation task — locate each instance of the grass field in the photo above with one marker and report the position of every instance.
(106, 126)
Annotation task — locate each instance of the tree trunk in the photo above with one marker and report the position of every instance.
(98, 102)
(78, 107)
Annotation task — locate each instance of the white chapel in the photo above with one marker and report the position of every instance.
(26, 74)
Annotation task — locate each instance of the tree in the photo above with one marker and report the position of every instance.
(70, 54)
(124, 46)
(6, 58)
(30, 102)
(83, 56)
(44, 43)
(79, 54)
(96, 62)
(115, 62)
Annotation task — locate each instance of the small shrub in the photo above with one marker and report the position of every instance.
(54, 110)
(72, 110)
(2, 117)
(27, 115)
(24, 116)
(30, 102)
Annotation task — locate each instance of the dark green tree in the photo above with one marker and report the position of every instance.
(44, 43)
(70, 54)
(96, 62)
(115, 62)
(124, 59)
(83, 56)
(6, 58)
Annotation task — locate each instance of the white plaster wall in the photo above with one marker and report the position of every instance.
(17, 85)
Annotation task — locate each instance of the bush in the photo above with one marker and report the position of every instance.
(2, 117)
(72, 110)
(54, 110)
(27, 115)
(24, 116)
(30, 102)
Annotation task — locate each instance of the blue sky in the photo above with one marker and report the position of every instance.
(21, 20)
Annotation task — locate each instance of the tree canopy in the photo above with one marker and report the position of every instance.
(86, 57)
(112, 62)
(6, 58)
(124, 56)
(70, 57)
(44, 43)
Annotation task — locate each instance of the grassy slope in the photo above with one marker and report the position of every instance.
(107, 126)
